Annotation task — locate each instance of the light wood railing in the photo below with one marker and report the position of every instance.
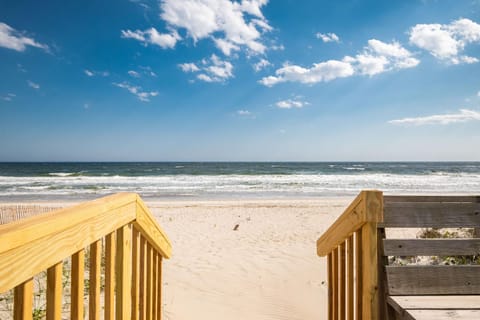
(350, 245)
(134, 247)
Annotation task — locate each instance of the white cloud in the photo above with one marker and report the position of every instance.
(134, 74)
(15, 40)
(244, 113)
(478, 94)
(189, 67)
(137, 91)
(328, 37)
(447, 41)
(262, 64)
(148, 71)
(9, 97)
(34, 85)
(152, 36)
(237, 23)
(210, 70)
(376, 58)
(291, 103)
(92, 73)
(463, 115)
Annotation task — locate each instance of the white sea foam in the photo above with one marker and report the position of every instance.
(248, 185)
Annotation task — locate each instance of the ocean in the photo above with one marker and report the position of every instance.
(232, 180)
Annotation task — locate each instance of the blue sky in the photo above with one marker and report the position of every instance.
(251, 80)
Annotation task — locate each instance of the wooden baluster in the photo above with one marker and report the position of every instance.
(77, 285)
(54, 292)
(135, 274)
(350, 281)
(370, 271)
(159, 294)
(23, 301)
(110, 276)
(149, 293)
(143, 273)
(94, 280)
(335, 284)
(358, 275)
(341, 282)
(154, 284)
(123, 272)
(330, 285)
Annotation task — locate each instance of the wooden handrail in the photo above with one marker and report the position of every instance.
(42, 242)
(367, 207)
(351, 241)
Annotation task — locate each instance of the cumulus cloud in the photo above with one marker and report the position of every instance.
(152, 36)
(328, 37)
(463, 115)
(376, 57)
(262, 64)
(33, 85)
(213, 69)
(447, 41)
(137, 91)
(291, 103)
(16, 40)
(92, 73)
(189, 67)
(233, 23)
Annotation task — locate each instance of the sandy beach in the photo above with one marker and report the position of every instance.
(266, 269)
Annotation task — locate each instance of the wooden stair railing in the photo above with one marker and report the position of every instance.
(350, 245)
(134, 247)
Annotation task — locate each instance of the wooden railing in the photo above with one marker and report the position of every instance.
(134, 247)
(350, 245)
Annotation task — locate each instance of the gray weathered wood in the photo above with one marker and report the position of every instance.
(431, 247)
(389, 199)
(433, 215)
(435, 302)
(430, 280)
(443, 314)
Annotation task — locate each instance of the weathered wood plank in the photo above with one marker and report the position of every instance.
(123, 272)
(159, 295)
(149, 294)
(439, 198)
(23, 301)
(54, 292)
(431, 247)
(77, 285)
(143, 278)
(443, 314)
(94, 280)
(42, 253)
(109, 312)
(154, 285)
(429, 280)
(462, 302)
(433, 215)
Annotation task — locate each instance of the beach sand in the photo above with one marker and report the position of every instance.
(266, 269)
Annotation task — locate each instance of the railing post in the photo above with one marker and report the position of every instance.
(373, 211)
